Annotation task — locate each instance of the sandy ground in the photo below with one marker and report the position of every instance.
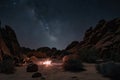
(55, 72)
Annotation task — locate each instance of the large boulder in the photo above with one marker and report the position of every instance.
(105, 68)
(109, 69)
(72, 63)
(36, 75)
(8, 42)
(32, 67)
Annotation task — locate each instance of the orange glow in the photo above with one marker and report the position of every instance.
(47, 62)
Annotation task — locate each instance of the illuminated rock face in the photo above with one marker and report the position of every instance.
(8, 41)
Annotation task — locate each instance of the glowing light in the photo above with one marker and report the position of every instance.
(47, 62)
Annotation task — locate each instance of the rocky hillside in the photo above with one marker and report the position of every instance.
(8, 41)
(105, 37)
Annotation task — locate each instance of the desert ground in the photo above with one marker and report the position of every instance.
(55, 72)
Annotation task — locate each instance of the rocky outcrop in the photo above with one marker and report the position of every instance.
(105, 37)
(3, 47)
(12, 41)
(73, 44)
(8, 42)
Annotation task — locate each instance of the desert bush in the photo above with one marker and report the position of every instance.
(7, 66)
(72, 63)
(89, 55)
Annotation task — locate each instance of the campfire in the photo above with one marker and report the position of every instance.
(47, 62)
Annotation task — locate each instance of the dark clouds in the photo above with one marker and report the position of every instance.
(54, 23)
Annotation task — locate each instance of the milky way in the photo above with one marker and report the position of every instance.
(54, 23)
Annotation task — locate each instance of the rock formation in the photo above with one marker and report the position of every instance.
(8, 42)
(105, 37)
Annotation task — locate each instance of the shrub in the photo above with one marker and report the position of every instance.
(89, 55)
(7, 66)
(71, 63)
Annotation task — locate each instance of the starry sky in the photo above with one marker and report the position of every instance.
(54, 23)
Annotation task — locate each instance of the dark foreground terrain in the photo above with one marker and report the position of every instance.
(55, 72)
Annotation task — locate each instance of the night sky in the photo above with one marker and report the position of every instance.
(54, 23)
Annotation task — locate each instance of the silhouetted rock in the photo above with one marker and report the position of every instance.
(37, 54)
(3, 47)
(105, 68)
(32, 67)
(25, 51)
(8, 42)
(73, 44)
(45, 50)
(109, 69)
(12, 41)
(36, 75)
